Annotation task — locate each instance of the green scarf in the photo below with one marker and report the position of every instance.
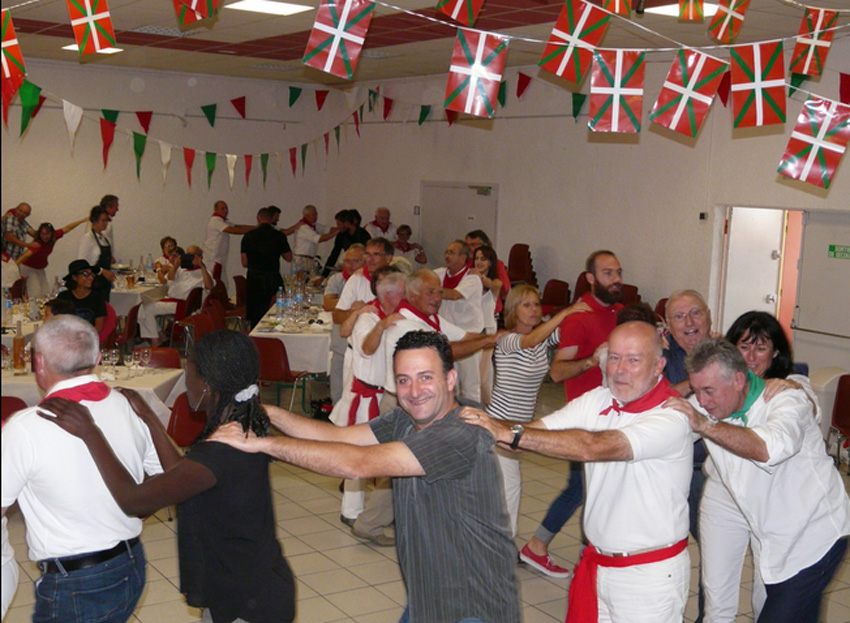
(756, 388)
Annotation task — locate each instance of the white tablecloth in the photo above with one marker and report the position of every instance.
(124, 300)
(160, 387)
(26, 329)
(308, 351)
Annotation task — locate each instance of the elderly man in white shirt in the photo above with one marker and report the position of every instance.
(217, 243)
(307, 238)
(770, 482)
(381, 226)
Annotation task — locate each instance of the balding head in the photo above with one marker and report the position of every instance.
(22, 211)
(634, 360)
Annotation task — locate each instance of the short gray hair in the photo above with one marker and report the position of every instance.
(391, 281)
(716, 350)
(679, 294)
(414, 281)
(69, 345)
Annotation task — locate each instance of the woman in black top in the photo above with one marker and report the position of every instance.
(88, 303)
(230, 560)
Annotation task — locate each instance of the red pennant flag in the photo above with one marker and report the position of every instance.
(327, 141)
(616, 91)
(758, 84)
(144, 117)
(463, 11)
(321, 96)
(522, 83)
(13, 63)
(239, 105)
(41, 99)
(813, 42)
(476, 72)
(185, 15)
(724, 88)
(388, 106)
(727, 21)
(189, 160)
(292, 159)
(249, 160)
(620, 7)
(92, 25)
(691, 11)
(451, 116)
(107, 133)
(817, 143)
(356, 123)
(338, 35)
(844, 88)
(576, 34)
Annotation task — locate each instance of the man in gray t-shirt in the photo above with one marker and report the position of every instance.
(452, 533)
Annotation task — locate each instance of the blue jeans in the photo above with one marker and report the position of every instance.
(563, 506)
(798, 599)
(105, 593)
(405, 618)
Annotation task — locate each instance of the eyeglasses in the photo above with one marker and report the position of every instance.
(86, 273)
(697, 313)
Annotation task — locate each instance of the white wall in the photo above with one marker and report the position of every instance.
(563, 190)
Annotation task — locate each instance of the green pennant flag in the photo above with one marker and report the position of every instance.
(210, 167)
(361, 111)
(424, 111)
(110, 115)
(264, 163)
(303, 157)
(373, 98)
(294, 94)
(209, 112)
(336, 134)
(503, 93)
(139, 142)
(29, 102)
(578, 102)
(796, 81)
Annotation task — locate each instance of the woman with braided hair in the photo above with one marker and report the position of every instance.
(231, 563)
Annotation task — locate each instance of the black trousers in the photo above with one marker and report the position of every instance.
(261, 287)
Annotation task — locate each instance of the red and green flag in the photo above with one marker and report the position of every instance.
(204, 8)
(620, 7)
(813, 42)
(463, 11)
(476, 72)
(817, 143)
(338, 35)
(92, 25)
(576, 34)
(616, 90)
(14, 69)
(758, 84)
(691, 11)
(727, 22)
(687, 92)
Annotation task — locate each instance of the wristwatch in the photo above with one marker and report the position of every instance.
(517, 430)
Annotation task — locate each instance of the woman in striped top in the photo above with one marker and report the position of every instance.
(522, 362)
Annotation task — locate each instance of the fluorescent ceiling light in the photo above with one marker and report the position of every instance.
(268, 6)
(75, 48)
(672, 10)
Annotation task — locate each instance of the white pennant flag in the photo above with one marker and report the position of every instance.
(278, 156)
(73, 116)
(165, 154)
(231, 165)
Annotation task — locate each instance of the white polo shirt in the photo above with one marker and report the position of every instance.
(217, 243)
(357, 288)
(466, 312)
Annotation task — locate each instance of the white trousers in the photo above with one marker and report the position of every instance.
(512, 483)
(723, 538)
(469, 377)
(36, 281)
(148, 312)
(653, 593)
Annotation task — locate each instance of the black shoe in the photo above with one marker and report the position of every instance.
(348, 521)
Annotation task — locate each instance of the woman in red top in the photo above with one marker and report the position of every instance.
(34, 260)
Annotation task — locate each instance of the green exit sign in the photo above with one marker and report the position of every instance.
(839, 252)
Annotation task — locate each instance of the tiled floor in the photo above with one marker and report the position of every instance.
(341, 579)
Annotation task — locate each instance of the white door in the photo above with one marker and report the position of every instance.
(452, 209)
(753, 262)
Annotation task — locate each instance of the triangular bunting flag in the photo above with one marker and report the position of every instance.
(463, 11)
(204, 8)
(14, 69)
(210, 160)
(239, 105)
(29, 100)
(293, 155)
(231, 167)
(92, 25)
(758, 84)
(620, 7)
(303, 157)
(727, 22)
(294, 94)
(424, 111)
(165, 157)
(188, 160)
(327, 141)
(725, 88)
(817, 143)
(249, 161)
(356, 122)
(616, 91)
(576, 34)
(476, 72)
(209, 113)
(796, 81)
(185, 15)
(38, 106)
(139, 143)
(373, 98)
(522, 82)
(691, 11)
(321, 96)
(144, 118)
(451, 116)
(107, 135)
(388, 107)
(502, 97)
(578, 104)
(844, 88)
(10, 88)
(73, 117)
(338, 35)
(110, 115)
(278, 157)
(264, 165)
(813, 42)
(688, 92)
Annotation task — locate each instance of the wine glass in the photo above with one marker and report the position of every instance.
(146, 358)
(105, 359)
(115, 358)
(137, 359)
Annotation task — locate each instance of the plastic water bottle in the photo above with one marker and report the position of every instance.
(279, 305)
(149, 265)
(7, 307)
(298, 303)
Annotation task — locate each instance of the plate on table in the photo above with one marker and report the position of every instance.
(121, 266)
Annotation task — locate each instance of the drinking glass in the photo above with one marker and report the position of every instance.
(137, 360)
(115, 358)
(146, 358)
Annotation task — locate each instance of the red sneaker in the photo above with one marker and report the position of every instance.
(543, 563)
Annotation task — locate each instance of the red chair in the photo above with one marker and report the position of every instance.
(185, 308)
(241, 284)
(274, 368)
(11, 405)
(841, 416)
(556, 296)
(125, 338)
(228, 309)
(630, 292)
(661, 310)
(18, 290)
(520, 267)
(107, 333)
(213, 308)
(164, 358)
(185, 425)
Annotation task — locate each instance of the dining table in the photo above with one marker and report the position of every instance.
(123, 299)
(308, 344)
(27, 328)
(160, 387)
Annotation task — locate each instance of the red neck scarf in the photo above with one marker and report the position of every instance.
(377, 304)
(367, 274)
(94, 391)
(383, 229)
(583, 606)
(651, 399)
(215, 215)
(309, 224)
(403, 246)
(452, 281)
(361, 391)
(431, 321)
(345, 274)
